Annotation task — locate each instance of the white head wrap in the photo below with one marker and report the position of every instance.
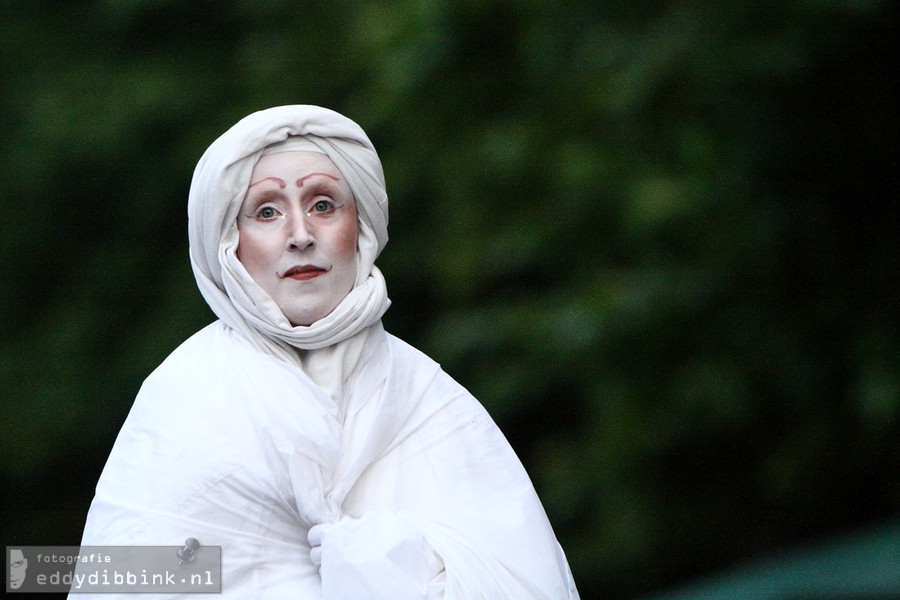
(217, 191)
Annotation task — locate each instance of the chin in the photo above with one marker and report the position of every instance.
(301, 321)
(302, 314)
(305, 318)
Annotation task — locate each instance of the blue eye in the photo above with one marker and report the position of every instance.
(321, 206)
(266, 212)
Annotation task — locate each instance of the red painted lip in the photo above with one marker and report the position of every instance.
(304, 272)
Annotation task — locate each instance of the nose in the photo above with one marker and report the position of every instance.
(300, 237)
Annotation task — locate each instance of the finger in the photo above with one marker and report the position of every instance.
(315, 534)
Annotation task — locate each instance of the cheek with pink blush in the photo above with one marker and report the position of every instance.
(349, 234)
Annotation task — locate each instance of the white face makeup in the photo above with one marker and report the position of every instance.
(298, 232)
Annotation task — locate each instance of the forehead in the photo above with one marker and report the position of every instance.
(293, 164)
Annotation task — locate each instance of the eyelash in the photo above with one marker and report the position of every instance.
(325, 205)
(328, 205)
(259, 214)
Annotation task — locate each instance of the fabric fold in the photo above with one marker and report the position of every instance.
(253, 454)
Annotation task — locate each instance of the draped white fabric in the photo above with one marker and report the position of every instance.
(421, 493)
(253, 432)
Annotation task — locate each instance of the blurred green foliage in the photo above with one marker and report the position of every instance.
(656, 239)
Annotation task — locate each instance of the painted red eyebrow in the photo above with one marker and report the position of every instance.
(280, 182)
(303, 179)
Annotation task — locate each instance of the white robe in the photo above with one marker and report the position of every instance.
(421, 493)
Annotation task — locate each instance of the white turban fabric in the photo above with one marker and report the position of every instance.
(217, 191)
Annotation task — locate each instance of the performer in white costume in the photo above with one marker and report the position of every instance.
(326, 457)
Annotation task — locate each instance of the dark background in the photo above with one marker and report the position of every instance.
(656, 239)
